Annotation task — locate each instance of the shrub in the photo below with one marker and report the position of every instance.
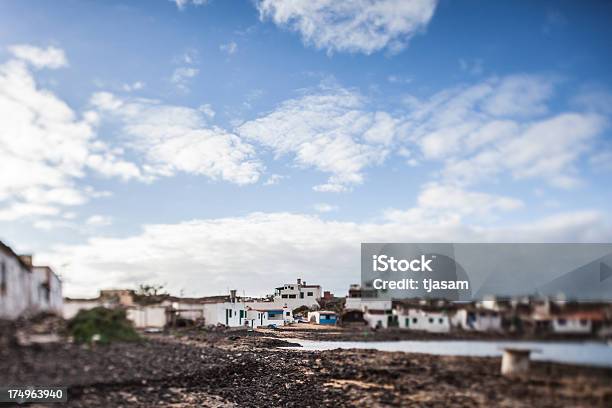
(106, 325)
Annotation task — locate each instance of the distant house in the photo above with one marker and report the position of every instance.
(46, 290)
(380, 319)
(26, 289)
(425, 319)
(294, 295)
(148, 317)
(15, 284)
(264, 318)
(352, 317)
(323, 317)
(569, 317)
(470, 318)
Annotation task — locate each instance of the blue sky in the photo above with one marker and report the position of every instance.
(209, 145)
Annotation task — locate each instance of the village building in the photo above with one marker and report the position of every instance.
(470, 318)
(26, 289)
(432, 320)
(295, 295)
(323, 317)
(46, 290)
(380, 319)
(15, 284)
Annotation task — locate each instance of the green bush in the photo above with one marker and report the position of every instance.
(109, 324)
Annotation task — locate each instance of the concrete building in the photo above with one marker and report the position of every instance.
(46, 290)
(15, 284)
(424, 319)
(295, 295)
(323, 317)
(26, 289)
(470, 318)
(148, 317)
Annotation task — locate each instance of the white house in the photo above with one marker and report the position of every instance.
(379, 319)
(429, 320)
(470, 318)
(266, 317)
(295, 295)
(72, 306)
(323, 317)
(576, 322)
(356, 301)
(15, 284)
(26, 289)
(147, 317)
(46, 290)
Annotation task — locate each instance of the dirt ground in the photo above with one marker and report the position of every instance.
(227, 369)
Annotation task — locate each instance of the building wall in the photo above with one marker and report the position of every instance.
(145, 317)
(568, 325)
(15, 290)
(231, 314)
(364, 304)
(376, 320)
(433, 322)
(479, 320)
(46, 291)
(71, 307)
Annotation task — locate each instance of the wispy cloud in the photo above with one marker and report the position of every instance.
(363, 26)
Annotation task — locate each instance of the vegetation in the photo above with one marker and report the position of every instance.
(102, 325)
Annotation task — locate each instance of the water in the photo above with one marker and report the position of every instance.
(586, 353)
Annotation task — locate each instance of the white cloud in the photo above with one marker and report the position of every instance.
(325, 208)
(449, 204)
(50, 57)
(99, 220)
(175, 139)
(329, 130)
(502, 125)
(182, 75)
(274, 179)
(207, 110)
(45, 147)
(257, 251)
(134, 86)
(362, 26)
(229, 48)
(181, 4)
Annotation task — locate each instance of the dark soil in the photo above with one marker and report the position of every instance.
(239, 368)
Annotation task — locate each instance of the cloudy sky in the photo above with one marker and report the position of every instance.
(208, 145)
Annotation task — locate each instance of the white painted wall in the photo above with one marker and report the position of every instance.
(46, 291)
(145, 317)
(570, 325)
(16, 287)
(364, 304)
(71, 307)
(478, 320)
(376, 320)
(416, 319)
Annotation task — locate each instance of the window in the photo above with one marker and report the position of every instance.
(414, 320)
(301, 295)
(561, 322)
(2, 278)
(284, 296)
(431, 320)
(310, 294)
(407, 322)
(583, 322)
(288, 314)
(292, 296)
(440, 320)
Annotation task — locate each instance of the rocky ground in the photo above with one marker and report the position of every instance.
(233, 368)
